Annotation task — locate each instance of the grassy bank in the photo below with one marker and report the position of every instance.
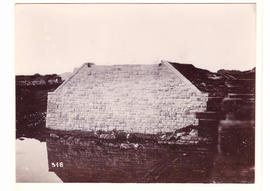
(31, 106)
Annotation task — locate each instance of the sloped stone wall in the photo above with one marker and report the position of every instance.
(133, 98)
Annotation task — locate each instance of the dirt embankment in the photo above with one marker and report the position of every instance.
(31, 104)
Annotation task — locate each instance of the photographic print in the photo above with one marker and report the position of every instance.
(135, 93)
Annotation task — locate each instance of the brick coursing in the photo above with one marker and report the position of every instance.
(133, 98)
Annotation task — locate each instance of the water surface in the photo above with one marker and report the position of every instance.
(32, 162)
(80, 159)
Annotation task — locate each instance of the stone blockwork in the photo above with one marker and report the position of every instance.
(134, 98)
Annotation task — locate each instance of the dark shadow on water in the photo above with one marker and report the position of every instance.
(77, 157)
(88, 159)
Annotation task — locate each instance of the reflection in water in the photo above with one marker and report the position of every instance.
(69, 158)
(87, 160)
(32, 162)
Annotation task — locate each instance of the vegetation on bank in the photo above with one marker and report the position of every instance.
(31, 102)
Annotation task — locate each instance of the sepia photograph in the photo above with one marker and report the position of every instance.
(135, 93)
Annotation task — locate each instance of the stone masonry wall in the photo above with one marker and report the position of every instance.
(133, 98)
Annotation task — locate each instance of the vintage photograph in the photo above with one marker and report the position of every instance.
(135, 93)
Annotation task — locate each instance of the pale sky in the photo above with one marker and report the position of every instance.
(55, 38)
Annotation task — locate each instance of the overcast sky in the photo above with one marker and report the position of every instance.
(55, 38)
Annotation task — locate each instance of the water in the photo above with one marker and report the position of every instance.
(32, 162)
(68, 158)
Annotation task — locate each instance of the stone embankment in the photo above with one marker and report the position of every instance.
(147, 99)
(236, 108)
